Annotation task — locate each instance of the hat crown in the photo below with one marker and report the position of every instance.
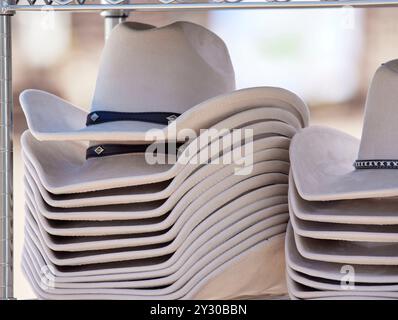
(380, 131)
(171, 68)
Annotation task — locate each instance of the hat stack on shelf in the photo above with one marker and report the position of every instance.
(342, 241)
(110, 216)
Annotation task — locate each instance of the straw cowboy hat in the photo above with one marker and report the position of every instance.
(330, 165)
(148, 77)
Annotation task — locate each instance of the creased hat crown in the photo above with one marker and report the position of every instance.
(171, 68)
(380, 131)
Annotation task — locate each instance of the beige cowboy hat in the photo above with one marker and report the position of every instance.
(147, 77)
(371, 274)
(214, 263)
(330, 165)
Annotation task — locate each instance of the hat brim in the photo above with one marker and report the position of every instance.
(62, 167)
(202, 238)
(50, 118)
(301, 291)
(227, 232)
(221, 284)
(133, 211)
(348, 252)
(332, 271)
(147, 250)
(345, 232)
(119, 227)
(155, 192)
(335, 285)
(322, 164)
(372, 211)
(104, 242)
(189, 284)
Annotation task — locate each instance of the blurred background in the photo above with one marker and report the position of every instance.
(326, 56)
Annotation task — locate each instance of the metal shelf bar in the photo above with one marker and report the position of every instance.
(6, 158)
(206, 6)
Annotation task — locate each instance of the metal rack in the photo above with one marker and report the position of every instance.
(114, 12)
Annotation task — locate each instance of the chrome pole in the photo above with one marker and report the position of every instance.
(113, 17)
(6, 157)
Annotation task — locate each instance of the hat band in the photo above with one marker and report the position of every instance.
(376, 164)
(97, 117)
(104, 150)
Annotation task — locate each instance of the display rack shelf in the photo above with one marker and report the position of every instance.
(87, 5)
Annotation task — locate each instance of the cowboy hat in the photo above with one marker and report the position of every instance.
(179, 289)
(330, 165)
(202, 239)
(345, 232)
(227, 287)
(348, 252)
(375, 274)
(148, 281)
(187, 65)
(301, 291)
(70, 258)
(62, 167)
(188, 220)
(333, 285)
(371, 211)
(95, 228)
(154, 192)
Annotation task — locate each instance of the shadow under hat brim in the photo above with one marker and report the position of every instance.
(50, 118)
(322, 161)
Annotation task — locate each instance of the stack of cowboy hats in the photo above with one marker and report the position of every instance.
(342, 241)
(106, 218)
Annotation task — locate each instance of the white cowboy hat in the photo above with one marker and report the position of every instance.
(301, 291)
(348, 252)
(202, 239)
(184, 63)
(330, 165)
(344, 232)
(146, 281)
(71, 258)
(62, 167)
(152, 193)
(338, 230)
(373, 274)
(333, 285)
(182, 225)
(96, 228)
(205, 239)
(219, 286)
(187, 67)
(371, 211)
(183, 287)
